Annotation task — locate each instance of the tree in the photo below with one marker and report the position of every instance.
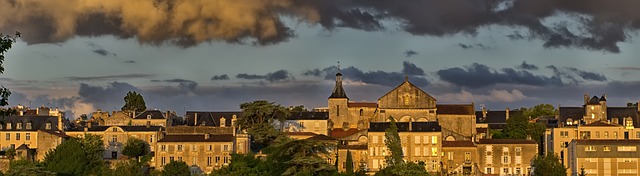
(392, 141)
(258, 118)
(548, 165)
(582, 172)
(134, 102)
(299, 157)
(136, 148)
(176, 168)
(6, 42)
(10, 153)
(130, 168)
(539, 110)
(26, 168)
(632, 104)
(349, 163)
(243, 165)
(84, 117)
(402, 169)
(77, 156)
(299, 108)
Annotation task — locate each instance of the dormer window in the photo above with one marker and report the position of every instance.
(9, 126)
(19, 126)
(115, 129)
(29, 125)
(223, 122)
(48, 125)
(0, 126)
(149, 116)
(569, 121)
(628, 122)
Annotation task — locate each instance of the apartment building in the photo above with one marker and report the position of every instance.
(604, 157)
(506, 156)
(115, 137)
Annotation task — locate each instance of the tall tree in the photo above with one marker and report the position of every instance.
(243, 165)
(26, 167)
(258, 118)
(349, 163)
(402, 169)
(299, 157)
(548, 165)
(392, 141)
(539, 110)
(6, 42)
(134, 102)
(136, 148)
(77, 156)
(176, 168)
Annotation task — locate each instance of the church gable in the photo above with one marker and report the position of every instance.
(407, 95)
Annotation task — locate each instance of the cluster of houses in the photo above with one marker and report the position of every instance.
(450, 139)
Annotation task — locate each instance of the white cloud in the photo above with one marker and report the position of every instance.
(493, 96)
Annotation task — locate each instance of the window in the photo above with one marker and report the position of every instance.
(47, 126)
(590, 148)
(606, 148)
(163, 148)
(226, 159)
(217, 160)
(19, 125)
(195, 160)
(114, 129)
(114, 138)
(210, 147)
(148, 116)
(517, 172)
(337, 110)
(171, 159)
(0, 126)
(489, 170)
(361, 111)
(467, 156)
(506, 159)
(27, 136)
(569, 121)
(615, 135)
(8, 136)
(406, 99)
(449, 155)
(28, 125)
(179, 158)
(8, 126)
(585, 134)
(194, 148)
(223, 122)
(434, 139)
(179, 147)
(606, 134)
(208, 161)
(301, 124)
(505, 170)
(416, 151)
(151, 139)
(374, 139)
(17, 136)
(638, 134)
(626, 148)
(225, 147)
(416, 139)
(597, 134)
(163, 160)
(434, 151)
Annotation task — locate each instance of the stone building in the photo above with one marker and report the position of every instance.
(39, 133)
(460, 158)
(604, 157)
(314, 122)
(154, 118)
(506, 156)
(421, 142)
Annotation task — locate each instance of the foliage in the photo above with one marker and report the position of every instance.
(349, 163)
(129, 168)
(258, 118)
(26, 168)
(77, 156)
(136, 148)
(299, 108)
(176, 168)
(539, 110)
(548, 165)
(362, 169)
(243, 165)
(6, 42)
(299, 157)
(632, 104)
(519, 127)
(10, 153)
(582, 172)
(134, 102)
(84, 117)
(392, 141)
(402, 169)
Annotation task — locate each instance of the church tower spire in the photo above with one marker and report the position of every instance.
(338, 91)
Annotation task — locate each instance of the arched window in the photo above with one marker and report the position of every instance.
(628, 121)
(569, 121)
(361, 112)
(406, 98)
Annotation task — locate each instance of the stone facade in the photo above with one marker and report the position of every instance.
(506, 156)
(604, 157)
(460, 157)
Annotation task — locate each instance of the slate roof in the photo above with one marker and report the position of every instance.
(404, 126)
(458, 144)
(506, 141)
(37, 122)
(577, 113)
(338, 91)
(308, 116)
(155, 114)
(496, 116)
(458, 109)
(210, 118)
(23, 147)
(594, 100)
(362, 104)
(125, 128)
(197, 138)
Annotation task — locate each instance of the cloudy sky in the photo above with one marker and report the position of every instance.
(83, 55)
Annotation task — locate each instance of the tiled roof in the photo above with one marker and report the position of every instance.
(460, 109)
(362, 104)
(339, 133)
(322, 137)
(353, 147)
(506, 141)
(37, 122)
(577, 113)
(594, 100)
(197, 138)
(458, 144)
(308, 116)
(404, 126)
(210, 118)
(155, 114)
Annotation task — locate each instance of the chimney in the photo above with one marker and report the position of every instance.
(167, 117)
(638, 106)
(528, 137)
(148, 124)
(89, 124)
(586, 98)
(195, 119)
(133, 115)
(207, 135)
(484, 112)
(506, 113)
(60, 123)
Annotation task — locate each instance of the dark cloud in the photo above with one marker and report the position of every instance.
(280, 75)
(109, 77)
(130, 62)
(100, 50)
(626, 68)
(479, 75)
(586, 75)
(415, 74)
(515, 36)
(220, 77)
(410, 53)
(472, 46)
(601, 25)
(572, 73)
(187, 85)
(527, 66)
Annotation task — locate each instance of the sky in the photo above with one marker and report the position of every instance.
(84, 55)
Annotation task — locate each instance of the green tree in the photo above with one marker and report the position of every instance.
(134, 102)
(77, 156)
(299, 108)
(243, 165)
(10, 153)
(299, 157)
(402, 169)
(392, 141)
(129, 168)
(539, 110)
(176, 168)
(582, 172)
(258, 118)
(632, 104)
(349, 163)
(6, 42)
(136, 148)
(548, 165)
(84, 117)
(26, 168)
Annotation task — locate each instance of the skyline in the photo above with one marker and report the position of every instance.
(498, 53)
